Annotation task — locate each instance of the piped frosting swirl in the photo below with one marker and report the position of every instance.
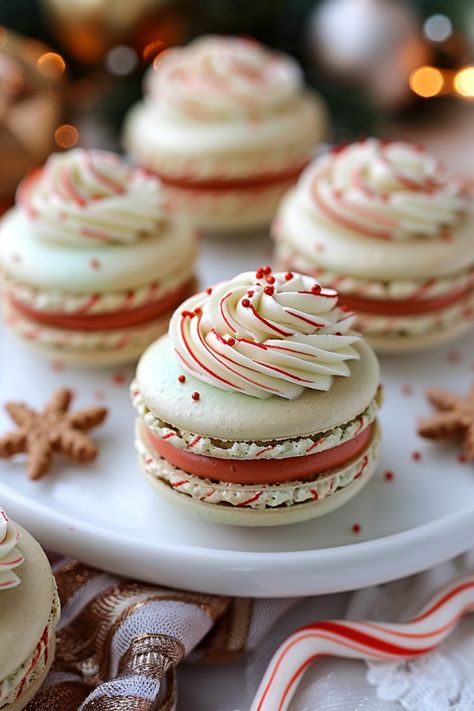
(10, 556)
(225, 78)
(83, 197)
(390, 191)
(265, 334)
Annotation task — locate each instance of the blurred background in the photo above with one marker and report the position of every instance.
(69, 69)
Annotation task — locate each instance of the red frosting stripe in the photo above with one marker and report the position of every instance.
(401, 307)
(245, 183)
(106, 321)
(261, 471)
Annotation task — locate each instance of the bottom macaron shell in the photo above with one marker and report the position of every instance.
(33, 689)
(86, 349)
(313, 498)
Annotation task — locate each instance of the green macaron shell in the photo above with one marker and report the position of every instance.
(25, 609)
(235, 416)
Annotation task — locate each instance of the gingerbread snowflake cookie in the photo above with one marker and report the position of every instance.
(455, 417)
(55, 429)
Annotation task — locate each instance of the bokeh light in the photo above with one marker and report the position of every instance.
(464, 82)
(58, 89)
(121, 60)
(438, 28)
(426, 81)
(66, 136)
(152, 50)
(51, 65)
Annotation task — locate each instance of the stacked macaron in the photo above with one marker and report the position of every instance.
(228, 126)
(260, 406)
(386, 226)
(29, 613)
(93, 263)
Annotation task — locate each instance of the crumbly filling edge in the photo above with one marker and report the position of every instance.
(21, 677)
(269, 449)
(255, 496)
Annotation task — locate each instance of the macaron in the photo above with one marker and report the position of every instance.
(260, 405)
(93, 264)
(384, 224)
(29, 613)
(228, 126)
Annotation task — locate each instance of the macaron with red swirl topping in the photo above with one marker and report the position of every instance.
(228, 126)
(93, 264)
(260, 405)
(29, 613)
(385, 225)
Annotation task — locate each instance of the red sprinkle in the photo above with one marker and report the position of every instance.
(209, 290)
(231, 341)
(454, 357)
(267, 270)
(119, 379)
(338, 333)
(416, 456)
(195, 395)
(259, 273)
(388, 476)
(245, 303)
(356, 528)
(270, 280)
(198, 310)
(288, 276)
(250, 293)
(185, 314)
(316, 289)
(269, 290)
(181, 378)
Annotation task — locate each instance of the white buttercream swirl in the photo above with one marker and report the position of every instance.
(83, 197)
(391, 191)
(265, 334)
(218, 77)
(10, 556)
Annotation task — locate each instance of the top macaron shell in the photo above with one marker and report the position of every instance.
(341, 250)
(97, 268)
(236, 416)
(25, 610)
(379, 210)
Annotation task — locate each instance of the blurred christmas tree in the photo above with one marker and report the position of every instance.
(360, 65)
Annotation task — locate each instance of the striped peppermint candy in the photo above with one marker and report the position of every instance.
(362, 640)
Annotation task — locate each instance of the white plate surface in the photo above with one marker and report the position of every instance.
(106, 514)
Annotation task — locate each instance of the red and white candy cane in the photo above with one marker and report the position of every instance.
(362, 640)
